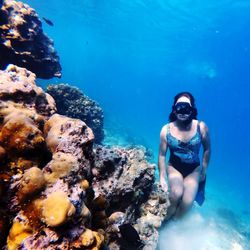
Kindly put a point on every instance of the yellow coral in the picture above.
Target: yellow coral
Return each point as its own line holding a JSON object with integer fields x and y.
{"x": 18, "y": 232}
{"x": 57, "y": 209}
{"x": 85, "y": 184}
{"x": 87, "y": 238}
{"x": 99, "y": 240}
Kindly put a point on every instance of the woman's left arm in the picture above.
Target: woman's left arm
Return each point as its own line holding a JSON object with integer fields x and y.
{"x": 206, "y": 148}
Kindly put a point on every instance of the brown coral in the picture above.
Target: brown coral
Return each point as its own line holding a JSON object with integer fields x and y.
{"x": 32, "y": 181}
{"x": 20, "y": 135}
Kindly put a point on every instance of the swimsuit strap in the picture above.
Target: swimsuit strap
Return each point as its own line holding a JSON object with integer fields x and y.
{"x": 168, "y": 129}
{"x": 198, "y": 128}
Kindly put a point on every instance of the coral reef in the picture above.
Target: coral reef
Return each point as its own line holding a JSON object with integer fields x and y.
{"x": 46, "y": 161}
{"x": 124, "y": 178}
{"x": 23, "y": 43}
{"x": 70, "y": 101}
{"x": 59, "y": 190}
{"x": 152, "y": 214}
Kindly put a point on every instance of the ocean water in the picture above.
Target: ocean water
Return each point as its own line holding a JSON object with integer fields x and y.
{"x": 134, "y": 56}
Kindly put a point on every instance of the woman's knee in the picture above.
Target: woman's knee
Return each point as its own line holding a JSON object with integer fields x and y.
{"x": 187, "y": 201}
{"x": 176, "y": 194}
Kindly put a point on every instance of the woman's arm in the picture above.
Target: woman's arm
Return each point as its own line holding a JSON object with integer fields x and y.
{"x": 206, "y": 148}
{"x": 162, "y": 158}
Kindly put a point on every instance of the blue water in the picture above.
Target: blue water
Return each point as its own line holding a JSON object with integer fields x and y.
{"x": 134, "y": 56}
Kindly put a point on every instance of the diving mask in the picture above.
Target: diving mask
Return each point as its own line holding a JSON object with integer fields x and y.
{"x": 183, "y": 108}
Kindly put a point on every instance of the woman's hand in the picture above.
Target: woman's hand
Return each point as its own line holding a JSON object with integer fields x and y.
{"x": 164, "y": 185}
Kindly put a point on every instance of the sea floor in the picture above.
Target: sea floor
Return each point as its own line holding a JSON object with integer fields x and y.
{"x": 220, "y": 224}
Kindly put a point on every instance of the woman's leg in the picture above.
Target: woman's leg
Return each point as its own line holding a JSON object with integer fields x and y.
{"x": 190, "y": 183}
{"x": 175, "y": 182}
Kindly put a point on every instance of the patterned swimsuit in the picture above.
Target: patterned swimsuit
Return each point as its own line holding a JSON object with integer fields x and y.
{"x": 184, "y": 156}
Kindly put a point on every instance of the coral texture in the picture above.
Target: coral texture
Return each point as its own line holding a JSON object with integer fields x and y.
{"x": 59, "y": 190}
{"x": 70, "y": 101}
{"x": 23, "y": 43}
{"x": 124, "y": 178}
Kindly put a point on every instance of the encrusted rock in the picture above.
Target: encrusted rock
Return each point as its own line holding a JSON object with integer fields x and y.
{"x": 47, "y": 159}
{"x": 23, "y": 43}
{"x": 122, "y": 176}
{"x": 56, "y": 190}
{"x": 70, "y": 101}
{"x": 152, "y": 214}
{"x": 19, "y": 93}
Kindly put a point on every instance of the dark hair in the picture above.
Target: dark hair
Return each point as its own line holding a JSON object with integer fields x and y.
{"x": 172, "y": 116}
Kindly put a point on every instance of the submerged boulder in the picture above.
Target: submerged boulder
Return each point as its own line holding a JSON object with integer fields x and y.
{"x": 23, "y": 43}
{"x": 59, "y": 190}
{"x": 70, "y": 101}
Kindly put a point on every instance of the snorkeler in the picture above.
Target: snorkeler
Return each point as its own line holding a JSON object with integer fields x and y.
{"x": 183, "y": 135}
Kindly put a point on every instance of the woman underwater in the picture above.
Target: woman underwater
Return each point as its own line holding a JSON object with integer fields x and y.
{"x": 183, "y": 136}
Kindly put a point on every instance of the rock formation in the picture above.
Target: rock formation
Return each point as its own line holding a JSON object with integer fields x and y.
{"x": 70, "y": 101}
{"x": 23, "y": 43}
{"x": 60, "y": 191}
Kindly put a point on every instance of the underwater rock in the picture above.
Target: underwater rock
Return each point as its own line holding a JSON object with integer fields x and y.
{"x": 23, "y": 43}
{"x": 59, "y": 190}
{"x": 46, "y": 167}
{"x": 125, "y": 179}
{"x": 71, "y": 102}
{"x": 122, "y": 175}
{"x": 19, "y": 94}
{"x": 152, "y": 214}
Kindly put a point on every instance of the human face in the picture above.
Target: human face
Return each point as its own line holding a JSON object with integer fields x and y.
{"x": 183, "y": 109}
